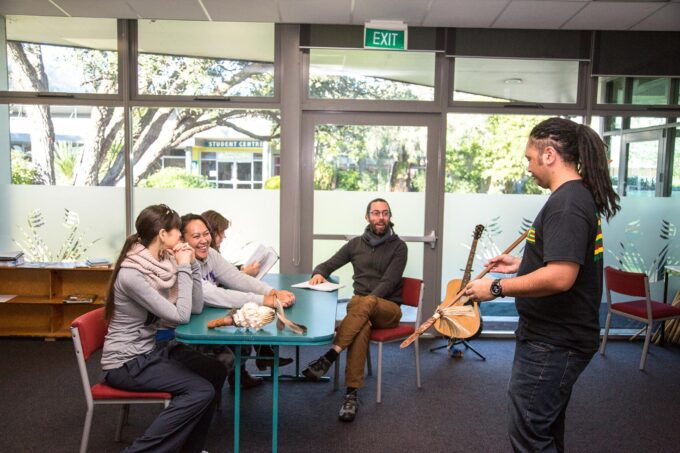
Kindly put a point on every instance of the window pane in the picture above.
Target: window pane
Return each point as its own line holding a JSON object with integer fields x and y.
{"x": 485, "y": 154}
{"x": 210, "y": 152}
{"x": 643, "y": 90}
{"x": 62, "y": 54}
{"x": 244, "y": 171}
{"x": 206, "y": 58}
{"x": 651, "y": 91}
{"x": 370, "y": 158}
{"x": 509, "y": 80}
{"x": 66, "y": 145}
{"x": 611, "y": 90}
{"x": 614, "y": 148}
{"x": 642, "y": 167}
{"x": 637, "y": 122}
{"x": 371, "y": 74}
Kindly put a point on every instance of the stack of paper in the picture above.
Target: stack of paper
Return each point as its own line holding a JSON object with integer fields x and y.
{"x": 13, "y": 258}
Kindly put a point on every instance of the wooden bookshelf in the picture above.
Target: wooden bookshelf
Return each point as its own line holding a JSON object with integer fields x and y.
{"x": 39, "y": 309}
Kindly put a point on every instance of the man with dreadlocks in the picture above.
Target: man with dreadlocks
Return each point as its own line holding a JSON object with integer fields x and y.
{"x": 558, "y": 287}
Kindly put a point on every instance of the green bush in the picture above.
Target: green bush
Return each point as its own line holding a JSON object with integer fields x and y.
{"x": 23, "y": 170}
{"x": 174, "y": 178}
{"x": 273, "y": 183}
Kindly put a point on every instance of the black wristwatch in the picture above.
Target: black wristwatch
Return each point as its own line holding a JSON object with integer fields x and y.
{"x": 496, "y": 288}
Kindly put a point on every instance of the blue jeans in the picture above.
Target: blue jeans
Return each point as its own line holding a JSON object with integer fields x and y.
{"x": 539, "y": 390}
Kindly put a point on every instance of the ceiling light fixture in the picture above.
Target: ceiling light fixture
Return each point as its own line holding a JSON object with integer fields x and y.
{"x": 513, "y": 81}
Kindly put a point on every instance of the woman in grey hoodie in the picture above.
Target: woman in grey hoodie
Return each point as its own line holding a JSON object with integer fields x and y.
{"x": 157, "y": 279}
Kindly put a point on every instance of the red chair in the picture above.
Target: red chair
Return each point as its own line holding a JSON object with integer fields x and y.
{"x": 412, "y": 295}
{"x": 644, "y": 310}
{"x": 88, "y": 333}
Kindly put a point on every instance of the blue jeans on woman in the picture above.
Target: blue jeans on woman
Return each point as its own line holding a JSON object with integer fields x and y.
{"x": 539, "y": 390}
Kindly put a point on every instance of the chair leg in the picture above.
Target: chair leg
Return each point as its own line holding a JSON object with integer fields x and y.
{"x": 86, "y": 430}
{"x": 369, "y": 366}
{"x": 645, "y": 349}
{"x": 380, "y": 356}
{"x": 417, "y": 351}
{"x": 336, "y": 379}
{"x": 122, "y": 420}
{"x": 606, "y": 332}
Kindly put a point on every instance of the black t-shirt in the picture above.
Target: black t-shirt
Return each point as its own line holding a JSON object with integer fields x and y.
{"x": 568, "y": 228}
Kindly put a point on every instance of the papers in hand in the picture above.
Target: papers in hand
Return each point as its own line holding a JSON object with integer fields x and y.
{"x": 266, "y": 256}
{"x": 326, "y": 286}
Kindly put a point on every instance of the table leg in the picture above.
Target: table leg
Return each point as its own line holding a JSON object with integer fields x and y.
{"x": 275, "y": 403}
{"x": 237, "y": 398}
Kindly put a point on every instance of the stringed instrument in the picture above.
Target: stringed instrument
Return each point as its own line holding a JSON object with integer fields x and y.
{"x": 470, "y": 325}
{"x": 452, "y": 311}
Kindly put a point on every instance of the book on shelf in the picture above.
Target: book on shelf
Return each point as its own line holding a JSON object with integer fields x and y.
{"x": 13, "y": 255}
{"x": 98, "y": 262}
{"x": 80, "y": 298}
{"x": 12, "y": 258}
{"x": 11, "y": 263}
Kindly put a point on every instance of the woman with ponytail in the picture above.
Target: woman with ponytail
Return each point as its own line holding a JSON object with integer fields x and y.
{"x": 558, "y": 287}
{"x": 157, "y": 279}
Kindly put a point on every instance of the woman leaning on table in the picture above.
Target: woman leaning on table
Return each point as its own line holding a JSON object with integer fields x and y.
{"x": 157, "y": 279}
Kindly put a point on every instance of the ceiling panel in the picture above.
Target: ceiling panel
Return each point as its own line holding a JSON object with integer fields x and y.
{"x": 611, "y": 15}
{"x": 243, "y": 10}
{"x": 98, "y": 8}
{"x": 463, "y": 13}
{"x": 167, "y": 9}
{"x": 29, "y": 7}
{"x": 315, "y": 11}
{"x": 412, "y": 12}
{"x": 666, "y": 18}
{"x": 528, "y": 14}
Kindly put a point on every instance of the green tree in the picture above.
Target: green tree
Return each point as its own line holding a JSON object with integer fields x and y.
{"x": 156, "y": 130}
{"x": 488, "y": 156}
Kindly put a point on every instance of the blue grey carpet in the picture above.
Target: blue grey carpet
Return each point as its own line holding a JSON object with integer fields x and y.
{"x": 461, "y": 407}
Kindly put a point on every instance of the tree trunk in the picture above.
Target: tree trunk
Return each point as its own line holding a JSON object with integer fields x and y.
{"x": 35, "y": 79}
{"x": 106, "y": 125}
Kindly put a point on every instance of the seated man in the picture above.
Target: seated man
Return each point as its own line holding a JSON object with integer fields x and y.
{"x": 378, "y": 257}
{"x": 224, "y": 286}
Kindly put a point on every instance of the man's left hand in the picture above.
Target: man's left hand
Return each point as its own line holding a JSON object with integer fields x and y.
{"x": 479, "y": 290}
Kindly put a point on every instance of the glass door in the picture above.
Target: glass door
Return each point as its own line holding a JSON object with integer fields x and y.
{"x": 354, "y": 158}
{"x": 641, "y": 169}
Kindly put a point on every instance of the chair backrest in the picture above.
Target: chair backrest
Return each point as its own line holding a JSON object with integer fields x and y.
{"x": 627, "y": 283}
{"x": 91, "y": 331}
{"x": 411, "y": 293}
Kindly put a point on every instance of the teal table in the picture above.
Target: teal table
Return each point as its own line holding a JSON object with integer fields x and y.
{"x": 314, "y": 309}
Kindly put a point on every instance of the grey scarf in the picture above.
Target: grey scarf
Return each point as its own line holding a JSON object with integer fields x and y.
{"x": 373, "y": 239}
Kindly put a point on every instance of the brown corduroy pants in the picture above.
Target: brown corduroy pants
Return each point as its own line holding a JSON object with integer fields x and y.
{"x": 354, "y": 332}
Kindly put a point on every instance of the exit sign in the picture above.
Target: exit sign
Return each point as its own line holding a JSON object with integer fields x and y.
{"x": 391, "y": 37}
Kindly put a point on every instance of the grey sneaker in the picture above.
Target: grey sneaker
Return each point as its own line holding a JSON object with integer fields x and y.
{"x": 349, "y": 407}
{"x": 317, "y": 368}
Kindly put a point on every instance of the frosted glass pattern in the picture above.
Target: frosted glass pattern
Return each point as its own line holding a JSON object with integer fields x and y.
{"x": 344, "y": 212}
{"x": 641, "y": 238}
{"x": 101, "y": 213}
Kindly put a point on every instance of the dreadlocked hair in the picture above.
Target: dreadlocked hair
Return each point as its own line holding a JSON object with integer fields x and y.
{"x": 579, "y": 145}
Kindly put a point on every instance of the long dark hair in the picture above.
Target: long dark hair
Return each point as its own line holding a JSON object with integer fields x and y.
{"x": 579, "y": 145}
{"x": 149, "y": 223}
{"x": 218, "y": 224}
